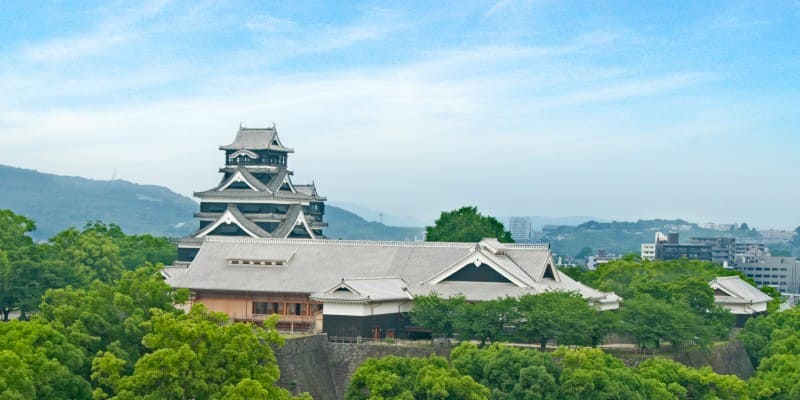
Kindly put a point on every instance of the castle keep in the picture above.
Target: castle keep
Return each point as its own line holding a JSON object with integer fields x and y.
{"x": 256, "y": 196}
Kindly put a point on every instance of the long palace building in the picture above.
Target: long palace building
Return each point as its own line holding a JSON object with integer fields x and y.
{"x": 256, "y": 197}
{"x": 259, "y": 251}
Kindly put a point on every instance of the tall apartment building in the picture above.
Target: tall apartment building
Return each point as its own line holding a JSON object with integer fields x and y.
{"x": 669, "y": 248}
{"x": 520, "y": 228}
{"x": 723, "y": 249}
{"x": 782, "y": 273}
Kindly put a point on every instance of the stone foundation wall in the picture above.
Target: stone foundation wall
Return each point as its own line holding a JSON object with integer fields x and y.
{"x": 312, "y": 364}
{"x": 323, "y": 369}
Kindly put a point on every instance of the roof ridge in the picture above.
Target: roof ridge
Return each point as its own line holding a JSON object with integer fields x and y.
{"x": 364, "y": 278}
{"x": 387, "y": 243}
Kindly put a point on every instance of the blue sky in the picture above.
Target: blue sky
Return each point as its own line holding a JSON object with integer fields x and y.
{"x": 618, "y": 110}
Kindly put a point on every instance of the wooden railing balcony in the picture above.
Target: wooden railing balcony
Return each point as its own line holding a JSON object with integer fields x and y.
{"x": 308, "y": 319}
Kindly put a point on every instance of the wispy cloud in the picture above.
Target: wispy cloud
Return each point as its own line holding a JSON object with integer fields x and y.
{"x": 286, "y": 38}
{"x": 167, "y": 83}
{"x": 629, "y": 88}
{"x": 736, "y": 22}
{"x": 111, "y": 30}
{"x": 65, "y": 49}
{"x": 270, "y": 24}
{"x": 503, "y": 4}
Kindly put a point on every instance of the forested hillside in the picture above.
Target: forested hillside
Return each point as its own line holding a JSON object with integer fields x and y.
{"x": 343, "y": 224}
{"x": 57, "y": 202}
{"x": 627, "y": 237}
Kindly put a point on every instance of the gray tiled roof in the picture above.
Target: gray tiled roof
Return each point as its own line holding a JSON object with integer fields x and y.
{"x": 270, "y": 190}
{"x": 243, "y": 220}
{"x": 737, "y": 287}
{"x": 249, "y": 194}
{"x": 308, "y": 190}
{"x": 730, "y": 300}
{"x": 256, "y": 139}
{"x": 277, "y": 180}
{"x": 289, "y": 223}
{"x": 252, "y": 180}
{"x": 317, "y": 265}
{"x": 365, "y": 289}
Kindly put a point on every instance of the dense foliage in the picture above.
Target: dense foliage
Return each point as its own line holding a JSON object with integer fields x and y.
{"x": 773, "y": 343}
{"x": 663, "y": 302}
{"x": 103, "y": 324}
{"x": 412, "y": 378}
{"x": 466, "y": 225}
{"x": 70, "y": 258}
{"x": 506, "y": 373}
{"x": 677, "y": 281}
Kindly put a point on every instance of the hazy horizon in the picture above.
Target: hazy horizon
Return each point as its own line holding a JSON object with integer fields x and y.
{"x": 620, "y": 111}
{"x": 372, "y": 213}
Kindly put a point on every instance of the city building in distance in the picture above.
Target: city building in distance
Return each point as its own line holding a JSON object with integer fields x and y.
{"x": 782, "y": 273}
{"x": 520, "y": 228}
{"x": 672, "y": 249}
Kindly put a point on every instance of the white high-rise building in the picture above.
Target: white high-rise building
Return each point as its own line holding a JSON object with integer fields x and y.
{"x": 520, "y": 228}
{"x": 648, "y": 251}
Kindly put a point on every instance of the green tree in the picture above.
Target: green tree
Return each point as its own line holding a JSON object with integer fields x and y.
{"x": 14, "y": 230}
{"x": 602, "y": 324}
{"x": 103, "y": 315}
{"x": 55, "y": 363}
{"x": 769, "y": 335}
{"x": 652, "y": 321}
{"x": 509, "y": 373}
{"x": 90, "y": 252}
{"x": 486, "y": 320}
{"x": 16, "y": 379}
{"x": 466, "y": 225}
{"x": 250, "y": 389}
{"x": 593, "y": 374}
{"x": 406, "y": 378}
{"x": 196, "y": 355}
{"x": 23, "y": 278}
{"x": 437, "y": 314}
{"x": 690, "y": 383}
{"x": 777, "y": 378}
{"x": 136, "y": 250}
{"x": 775, "y": 303}
{"x": 565, "y": 316}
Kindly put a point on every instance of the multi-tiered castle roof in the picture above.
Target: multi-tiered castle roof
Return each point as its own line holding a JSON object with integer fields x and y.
{"x": 256, "y": 196}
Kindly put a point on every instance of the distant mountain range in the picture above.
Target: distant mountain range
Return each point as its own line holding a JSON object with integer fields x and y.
{"x": 538, "y": 222}
{"x": 379, "y": 216}
{"x": 57, "y": 202}
{"x": 620, "y": 237}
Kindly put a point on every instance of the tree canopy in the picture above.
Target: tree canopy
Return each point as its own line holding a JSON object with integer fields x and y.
{"x": 106, "y": 326}
{"x": 407, "y": 378}
{"x": 564, "y": 317}
{"x": 505, "y": 373}
{"x": 773, "y": 343}
{"x": 466, "y": 225}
